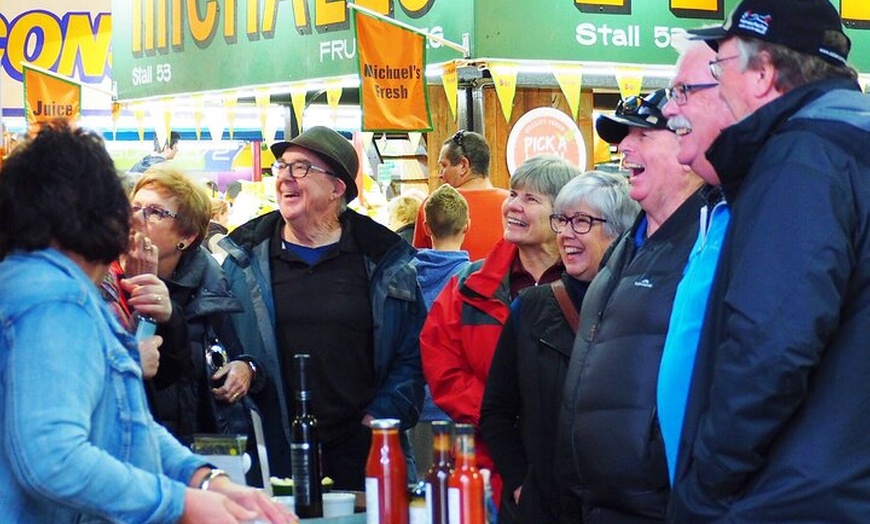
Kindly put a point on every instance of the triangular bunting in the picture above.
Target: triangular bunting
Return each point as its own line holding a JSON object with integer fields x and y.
{"x": 504, "y": 76}
{"x": 450, "y": 81}
{"x": 570, "y": 78}
{"x": 297, "y": 98}
{"x": 629, "y": 80}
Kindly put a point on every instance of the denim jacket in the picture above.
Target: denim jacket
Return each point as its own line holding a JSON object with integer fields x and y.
{"x": 78, "y": 441}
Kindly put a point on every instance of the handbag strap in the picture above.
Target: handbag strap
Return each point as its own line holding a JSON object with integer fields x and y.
{"x": 568, "y": 309}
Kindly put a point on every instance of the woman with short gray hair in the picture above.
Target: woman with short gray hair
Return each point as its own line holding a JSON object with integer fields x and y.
{"x": 465, "y": 321}
{"x": 528, "y": 369}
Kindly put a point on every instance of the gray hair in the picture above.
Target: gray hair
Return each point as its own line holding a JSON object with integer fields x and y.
{"x": 606, "y": 194}
{"x": 543, "y": 174}
{"x": 795, "y": 69}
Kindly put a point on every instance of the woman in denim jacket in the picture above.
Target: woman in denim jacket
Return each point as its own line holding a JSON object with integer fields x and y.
{"x": 78, "y": 442}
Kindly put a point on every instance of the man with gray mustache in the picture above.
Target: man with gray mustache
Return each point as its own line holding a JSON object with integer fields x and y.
{"x": 697, "y": 114}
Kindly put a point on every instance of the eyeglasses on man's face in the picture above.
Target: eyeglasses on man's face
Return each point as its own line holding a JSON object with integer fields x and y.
{"x": 680, "y": 92}
{"x": 296, "y": 169}
{"x": 581, "y": 223}
{"x": 716, "y": 66}
{"x": 153, "y": 214}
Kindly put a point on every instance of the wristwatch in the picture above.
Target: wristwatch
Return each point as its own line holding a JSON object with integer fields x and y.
{"x": 213, "y": 474}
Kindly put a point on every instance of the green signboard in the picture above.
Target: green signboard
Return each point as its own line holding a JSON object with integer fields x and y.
{"x": 167, "y": 47}
{"x": 164, "y": 47}
{"x": 623, "y": 31}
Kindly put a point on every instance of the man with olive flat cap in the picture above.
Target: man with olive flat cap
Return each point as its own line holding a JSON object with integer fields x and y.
{"x": 316, "y": 277}
{"x": 776, "y": 427}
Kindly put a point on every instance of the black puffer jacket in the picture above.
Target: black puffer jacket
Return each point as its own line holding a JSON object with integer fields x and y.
{"x": 610, "y": 444}
{"x": 202, "y": 304}
{"x": 525, "y": 381}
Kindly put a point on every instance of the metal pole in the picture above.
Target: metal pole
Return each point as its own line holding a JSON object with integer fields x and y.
{"x": 452, "y": 45}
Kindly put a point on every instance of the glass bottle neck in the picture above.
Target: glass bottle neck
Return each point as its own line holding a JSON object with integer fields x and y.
{"x": 303, "y": 407}
{"x": 385, "y": 434}
{"x": 465, "y": 451}
{"x": 441, "y": 448}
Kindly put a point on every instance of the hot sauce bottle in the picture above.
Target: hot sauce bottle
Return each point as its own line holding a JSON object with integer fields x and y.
{"x": 386, "y": 476}
{"x": 465, "y": 490}
{"x": 438, "y": 474}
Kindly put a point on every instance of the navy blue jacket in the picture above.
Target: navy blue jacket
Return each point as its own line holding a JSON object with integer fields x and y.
{"x": 777, "y": 427}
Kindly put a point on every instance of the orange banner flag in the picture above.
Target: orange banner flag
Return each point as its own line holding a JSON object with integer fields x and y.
{"x": 47, "y": 97}
{"x": 392, "y": 65}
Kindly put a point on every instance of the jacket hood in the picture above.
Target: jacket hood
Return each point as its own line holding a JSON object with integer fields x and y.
{"x": 434, "y": 265}
{"x": 733, "y": 152}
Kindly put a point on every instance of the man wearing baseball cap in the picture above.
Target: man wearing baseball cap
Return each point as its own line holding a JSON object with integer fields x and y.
{"x": 609, "y": 453}
{"x": 318, "y": 278}
{"x": 776, "y": 427}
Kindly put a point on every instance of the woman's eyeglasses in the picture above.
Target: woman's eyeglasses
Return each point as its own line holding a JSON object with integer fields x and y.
{"x": 581, "y": 223}
{"x": 153, "y": 214}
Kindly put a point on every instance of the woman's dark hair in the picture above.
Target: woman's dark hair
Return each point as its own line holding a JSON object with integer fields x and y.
{"x": 60, "y": 189}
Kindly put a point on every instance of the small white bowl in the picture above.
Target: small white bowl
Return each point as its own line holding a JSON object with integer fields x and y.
{"x": 338, "y": 504}
{"x": 287, "y": 501}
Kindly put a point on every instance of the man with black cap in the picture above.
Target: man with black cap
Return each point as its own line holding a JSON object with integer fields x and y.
{"x": 320, "y": 279}
{"x": 611, "y": 452}
{"x": 776, "y": 427}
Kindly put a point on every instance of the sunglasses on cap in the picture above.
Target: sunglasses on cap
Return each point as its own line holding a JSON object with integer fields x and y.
{"x": 457, "y": 139}
{"x": 632, "y": 105}
{"x": 643, "y": 111}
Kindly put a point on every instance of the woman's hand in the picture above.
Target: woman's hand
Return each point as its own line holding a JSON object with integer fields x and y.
{"x": 149, "y": 296}
{"x": 149, "y": 355}
{"x": 255, "y": 500}
{"x": 238, "y": 380}
{"x": 208, "y": 506}
{"x": 141, "y": 256}
{"x": 225, "y": 501}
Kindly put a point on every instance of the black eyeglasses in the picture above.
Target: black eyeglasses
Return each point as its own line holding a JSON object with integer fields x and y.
{"x": 680, "y": 92}
{"x": 581, "y": 223}
{"x": 457, "y": 139}
{"x": 153, "y": 214}
{"x": 716, "y": 67}
{"x": 297, "y": 169}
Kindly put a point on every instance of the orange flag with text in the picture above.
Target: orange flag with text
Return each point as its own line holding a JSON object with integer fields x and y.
{"x": 392, "y": 66}
{"x": 47, "y": 97}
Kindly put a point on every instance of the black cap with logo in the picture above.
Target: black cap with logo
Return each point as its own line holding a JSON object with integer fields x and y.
{"x": 800, "y": 25}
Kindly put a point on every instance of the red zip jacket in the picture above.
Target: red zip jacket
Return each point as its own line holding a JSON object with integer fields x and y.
{"x": 459, "y": 338}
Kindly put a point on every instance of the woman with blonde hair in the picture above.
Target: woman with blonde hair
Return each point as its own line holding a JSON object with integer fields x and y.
{"x": 205, "y": 390}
